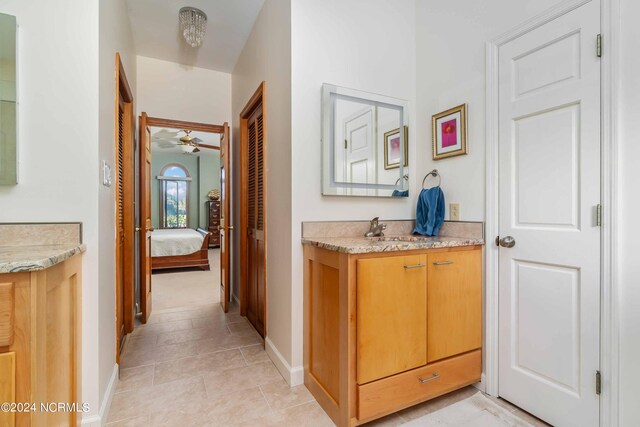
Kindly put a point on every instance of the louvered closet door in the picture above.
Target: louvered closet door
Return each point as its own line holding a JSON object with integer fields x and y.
{"x": 255, "y": 208}
{"x": 120, "y": 226}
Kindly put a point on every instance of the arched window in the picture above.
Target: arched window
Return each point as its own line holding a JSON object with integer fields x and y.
{"x": 174, "y": 196}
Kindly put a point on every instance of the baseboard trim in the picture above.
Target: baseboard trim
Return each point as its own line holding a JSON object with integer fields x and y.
{"x": 293, "y": 376}
{"x": 482, "y": 384}
{"x": 101, "y": 418}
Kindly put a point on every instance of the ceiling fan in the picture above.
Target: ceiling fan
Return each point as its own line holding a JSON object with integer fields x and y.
{"x": 166, "y": 139}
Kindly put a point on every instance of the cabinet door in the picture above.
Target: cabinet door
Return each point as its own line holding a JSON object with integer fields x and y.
{"x": 454, "y": 308}
{"x": 391, "y": 315}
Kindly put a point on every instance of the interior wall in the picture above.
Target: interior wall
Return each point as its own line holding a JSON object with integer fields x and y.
{"x": 450, "y": 50}
{"x": 365, "y": 45}
{"x": 115, "y": 36}
{"x": 170, "y": 90}
{"x": 628, "y": 212}
{"x": 57, "y": 148}
{"x": 209, "y": 167}
{"x": 192, "y": 164}
{"x": 267, "y": 56}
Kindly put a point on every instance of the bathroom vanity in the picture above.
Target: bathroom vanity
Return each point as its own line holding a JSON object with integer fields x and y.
{"x": 391, "y": 321}
{"x": 40, "y": 323}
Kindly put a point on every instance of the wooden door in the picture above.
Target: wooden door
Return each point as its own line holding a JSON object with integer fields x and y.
{"x": 145, "y": 218}
{"x": 549, "y": 178}
{"x": 225, "y": 218}
{"x": 454, "y": 303}
{"x": 391, "y": 315}
{"x": 120, "y": 228}
{"x": 255, "y": 221}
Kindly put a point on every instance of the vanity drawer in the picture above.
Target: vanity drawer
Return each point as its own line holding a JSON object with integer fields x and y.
{"x": 400, "y": 391}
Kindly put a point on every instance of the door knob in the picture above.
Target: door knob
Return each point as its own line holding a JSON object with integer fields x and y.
{"x": 138, "y": 229}
{"x": 231, "y": 228}
{"x": 506, "y": 242}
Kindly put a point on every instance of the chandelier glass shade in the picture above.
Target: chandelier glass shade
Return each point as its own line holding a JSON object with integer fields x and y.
{"x": 193, "y": 24}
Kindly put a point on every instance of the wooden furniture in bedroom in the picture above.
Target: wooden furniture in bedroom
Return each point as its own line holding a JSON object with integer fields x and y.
{"x": 213, "y": 223}
{"x": 198, "y": 259}
{"x": 40, "y": 351}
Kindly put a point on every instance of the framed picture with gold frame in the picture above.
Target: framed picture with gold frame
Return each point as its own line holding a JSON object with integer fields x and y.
{"x": 449, "y": 133}
{"x": 392, "y": 148}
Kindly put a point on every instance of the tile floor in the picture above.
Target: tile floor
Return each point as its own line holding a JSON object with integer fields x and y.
{"x": 193, "y": 365}
{"x": 196, "y": 366}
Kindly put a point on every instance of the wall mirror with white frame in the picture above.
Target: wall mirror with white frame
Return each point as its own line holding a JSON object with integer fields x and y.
{"x": 365, "y": 142}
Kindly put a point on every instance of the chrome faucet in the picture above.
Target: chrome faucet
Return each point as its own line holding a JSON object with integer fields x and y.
{"x": 375, "y": 228}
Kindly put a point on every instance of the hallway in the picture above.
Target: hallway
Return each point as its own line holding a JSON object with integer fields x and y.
{"x": 198, "y": 366}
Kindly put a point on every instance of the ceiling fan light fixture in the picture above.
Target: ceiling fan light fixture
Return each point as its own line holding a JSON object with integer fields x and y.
{"x": 193, "y": 24}
{"x": 187, "y": 148}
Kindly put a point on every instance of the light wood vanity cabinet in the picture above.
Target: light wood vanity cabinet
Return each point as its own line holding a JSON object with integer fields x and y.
{"x": 40, "y": 355}
{"x": 391, "y": 316}
{"x": 385, "y": 331}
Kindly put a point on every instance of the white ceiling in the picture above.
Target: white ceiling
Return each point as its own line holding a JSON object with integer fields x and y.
{"x": 156, "y": 32}
{"x": 207, "y": 138}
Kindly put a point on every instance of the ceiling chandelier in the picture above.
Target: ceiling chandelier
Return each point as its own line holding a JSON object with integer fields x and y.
{"x": 193, "y": 24}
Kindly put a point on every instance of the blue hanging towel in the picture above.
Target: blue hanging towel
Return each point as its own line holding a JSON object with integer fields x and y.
{"x": 429, "y": 212}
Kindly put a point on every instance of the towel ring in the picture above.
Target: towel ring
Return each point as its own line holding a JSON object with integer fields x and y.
{"x": 435, "y": 174}
{"x": 404, "y": 177}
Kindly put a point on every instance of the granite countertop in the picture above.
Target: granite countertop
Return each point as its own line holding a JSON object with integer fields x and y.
{"x": 15, "y": 259}
{"x": 364, "y": 245}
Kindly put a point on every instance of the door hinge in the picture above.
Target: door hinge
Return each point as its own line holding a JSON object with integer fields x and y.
{"x": 345, "y": 144}
{"x": 598, "y": 382}
{"x": 599, "y": 45}
{"x": 599, "y": 215}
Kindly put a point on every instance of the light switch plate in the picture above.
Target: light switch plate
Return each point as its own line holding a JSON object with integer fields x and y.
{"x": 454, "y": 211}
{"x": 106, "y": 174}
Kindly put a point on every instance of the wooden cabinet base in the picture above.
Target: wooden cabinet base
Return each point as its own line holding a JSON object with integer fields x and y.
{"x": 400, "y": 391}
{"x": 355, "y": 320}
{"x": 42, "y": 362}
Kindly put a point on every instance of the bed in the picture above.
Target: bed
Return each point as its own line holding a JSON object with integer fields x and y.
{"x": 179, "y": 248}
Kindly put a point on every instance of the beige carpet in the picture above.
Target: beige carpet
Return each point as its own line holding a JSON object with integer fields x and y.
{"x": 474, "y": 411}
{"x": 188, "y": 287}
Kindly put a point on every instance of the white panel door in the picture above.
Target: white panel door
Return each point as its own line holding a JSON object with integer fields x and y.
{"x": 360, "y": 150}
{"x": 549, "y": 145}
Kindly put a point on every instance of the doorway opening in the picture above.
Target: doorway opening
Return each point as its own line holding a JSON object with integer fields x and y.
{"x": 182, "y": 208}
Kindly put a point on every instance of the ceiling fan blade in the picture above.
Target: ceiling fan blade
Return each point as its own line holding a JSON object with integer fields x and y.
{"x": 165, "y": 133}
{"x": 163, "y": 143}
{"x": 196, "y": 150}
{"x": 196, "y": 140}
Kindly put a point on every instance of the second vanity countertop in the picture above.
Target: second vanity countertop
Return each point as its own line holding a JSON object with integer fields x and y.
{"x": 364, "y": 245}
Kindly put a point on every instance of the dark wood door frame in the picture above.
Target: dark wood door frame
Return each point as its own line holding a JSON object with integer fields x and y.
{"x": 258, "y": 98}
{"x": 125, "y": 265}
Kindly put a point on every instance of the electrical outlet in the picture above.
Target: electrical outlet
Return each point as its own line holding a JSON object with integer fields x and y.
{"x": 454, "y": 211}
